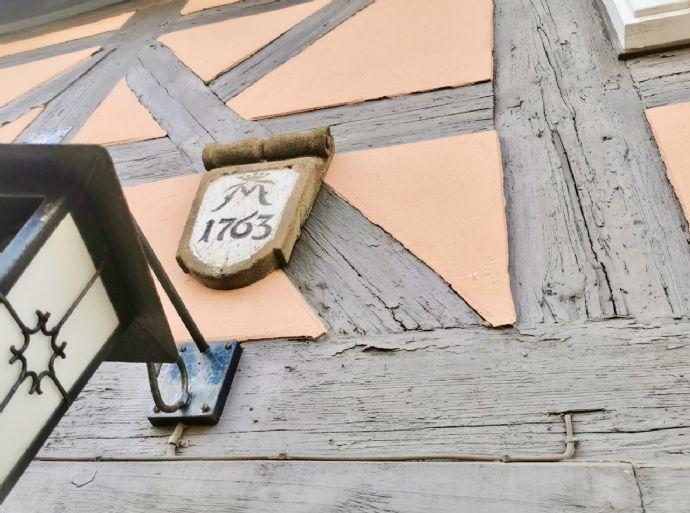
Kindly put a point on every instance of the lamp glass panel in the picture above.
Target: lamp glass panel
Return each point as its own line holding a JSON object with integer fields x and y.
{"x": 51, "y": 283}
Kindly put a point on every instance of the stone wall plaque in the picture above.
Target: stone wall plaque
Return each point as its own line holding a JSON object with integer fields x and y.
{"x": 250, "y": 206}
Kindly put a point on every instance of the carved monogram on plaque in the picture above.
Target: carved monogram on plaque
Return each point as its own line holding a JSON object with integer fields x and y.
{"x": 239, "y": 215}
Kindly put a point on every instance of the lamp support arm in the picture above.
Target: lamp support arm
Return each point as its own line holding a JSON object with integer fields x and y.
{"x": 172, "y": 294}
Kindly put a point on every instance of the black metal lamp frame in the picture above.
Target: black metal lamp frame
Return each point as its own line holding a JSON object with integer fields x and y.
{"x": 58, "y": 180}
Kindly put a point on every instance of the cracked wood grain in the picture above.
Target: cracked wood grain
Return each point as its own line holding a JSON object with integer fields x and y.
{"x": 595, "y": 228}
{"x": 663, "y": 489}
{"x": 640, "y": 493}
{"x": 405, "y": 119}
{"x": 471, "y": 390}
{"x": 361, "y": 280}
{"x": 144, "y": 161}
{"x": 285, "y": 47}
{"x": 662, "y": 79}
{"x": 44, "y": 93}
{"x": 333, "y": 487}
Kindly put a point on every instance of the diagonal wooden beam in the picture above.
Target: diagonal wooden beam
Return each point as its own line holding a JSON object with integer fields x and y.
{"x": 285, "y": 47}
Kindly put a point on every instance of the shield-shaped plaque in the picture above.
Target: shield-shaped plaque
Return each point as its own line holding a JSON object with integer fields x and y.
{"x": 250, "y": 206}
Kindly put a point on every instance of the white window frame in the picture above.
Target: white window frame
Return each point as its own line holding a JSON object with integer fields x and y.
{"x": 641, "y": 25}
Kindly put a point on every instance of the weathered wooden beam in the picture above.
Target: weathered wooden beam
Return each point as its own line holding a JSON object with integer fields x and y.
{"x": 372, "y": 124}
{"x": 472, "y": 390}
{"x": 144, "y": 161}
{"x": 285, "y": 47}
{"x": 595, "y": 228}
{"x": 42, "y": 94}
{"x": 361, "y": 280}
{"x": 300, "y": 487}
{"x": 662, "y": 79}
{"x": 184, "y": 131}
{"x": 102, "y": 39}
{"x": 57, "y": 49}
{"x": 181, "y": 103}
{"x": 73, "y": 107}
{"x": 228, "y": 11}
{"x": 664, "y": 489}
{"x": 399, "y": 120}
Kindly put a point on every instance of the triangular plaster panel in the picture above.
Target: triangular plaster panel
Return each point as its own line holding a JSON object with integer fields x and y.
{"x": 209, "y": 50}
{"x": 270, "y": 308}
{"x": 391, "y": 48}
{"x": 18, "y": 80}
{"x": 199, "y": 5}
{"x": 671, "y": 127}
{"x": 11, "y": 130}
{"x": 120, "y": 118}
{"x": 68, "y": 34}
{"x": 443, "y": 200}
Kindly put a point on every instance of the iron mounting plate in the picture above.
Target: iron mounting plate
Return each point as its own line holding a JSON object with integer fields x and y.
{"x": 210, "y": 378}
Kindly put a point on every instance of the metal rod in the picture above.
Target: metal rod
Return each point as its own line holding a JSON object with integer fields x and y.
{"x": 569, "y": 451}
{"x": 182, "y": 400}
{"x": 172, "y": 294}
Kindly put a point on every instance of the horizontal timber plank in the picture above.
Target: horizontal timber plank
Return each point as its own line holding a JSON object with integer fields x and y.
{"x": 472, "y": 390}
{"x": 663, "y": 78}
{"x": 404, "y": 119}
{"x": 144, "y": 161}
{"x": 334, "y": 487}
{"x": 664, "y": 489}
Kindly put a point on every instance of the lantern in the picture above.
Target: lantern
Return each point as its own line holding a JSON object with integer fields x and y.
{"x": 75, "y": 290}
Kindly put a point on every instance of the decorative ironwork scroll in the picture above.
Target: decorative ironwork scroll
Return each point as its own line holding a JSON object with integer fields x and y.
{"x": 18, "y": 355}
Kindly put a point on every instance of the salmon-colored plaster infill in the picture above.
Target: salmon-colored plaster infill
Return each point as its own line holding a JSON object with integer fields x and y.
{"x": 11, "y": 130}
{"x": 212, "y": 49}
{"x": 270, "y": 308}
{"x": 671, "y": 128}
{"x": 443, "y": 200}
{"x": 391, "y": 48}
{"x": 200, "y": 5}
{"x": 120, "y": 118}
{"x": 18, "y": 80}
{"x": 68, "y": 34}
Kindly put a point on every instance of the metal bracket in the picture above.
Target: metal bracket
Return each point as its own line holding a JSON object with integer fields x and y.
{"x": 201, "y": 377}
{"x": 210, "y": 378}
